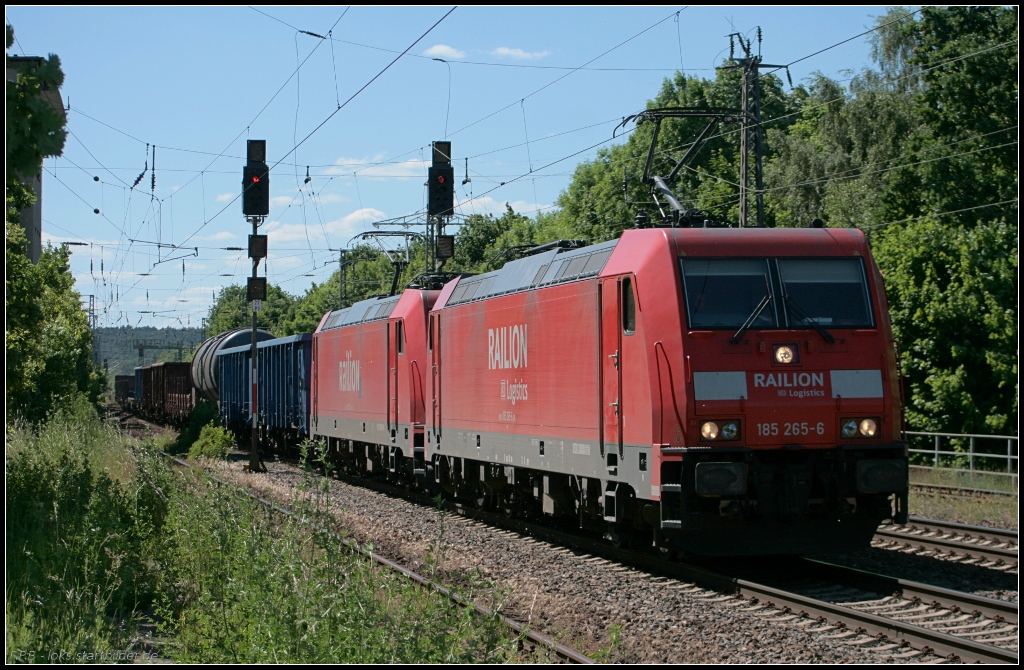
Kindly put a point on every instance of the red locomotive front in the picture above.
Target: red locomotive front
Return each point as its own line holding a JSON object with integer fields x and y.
{"x": 369, "y": 367}
{"x": 718, "y": 390}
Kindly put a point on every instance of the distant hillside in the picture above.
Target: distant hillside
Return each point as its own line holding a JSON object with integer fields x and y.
{"x": 119, "y": 347}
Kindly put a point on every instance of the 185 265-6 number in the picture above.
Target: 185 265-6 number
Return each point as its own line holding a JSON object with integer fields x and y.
{"x": 791, "y": 428}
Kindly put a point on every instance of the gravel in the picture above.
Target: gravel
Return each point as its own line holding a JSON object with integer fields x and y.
{"x": 603, "y": 609}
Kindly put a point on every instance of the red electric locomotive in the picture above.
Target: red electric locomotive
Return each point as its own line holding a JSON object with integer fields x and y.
{"x": 369, "y": 374}
{"x": 716, "y": 390}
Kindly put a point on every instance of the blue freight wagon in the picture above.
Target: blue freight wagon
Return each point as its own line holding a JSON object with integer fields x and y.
{"x": 283, "y": 398}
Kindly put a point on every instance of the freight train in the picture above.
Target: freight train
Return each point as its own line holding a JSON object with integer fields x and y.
{"x": 714, "y": 391}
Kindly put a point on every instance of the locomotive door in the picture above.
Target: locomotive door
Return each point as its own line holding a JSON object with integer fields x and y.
{"x": 313, "y": 389}
{"x": 610, "y": 306}
{"x": 394, "y": 349}
{"x": 434, "y": 344}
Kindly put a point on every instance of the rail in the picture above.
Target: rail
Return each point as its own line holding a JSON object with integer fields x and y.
{"x": 567, "y": 653}
{"x": 973, "y": 456}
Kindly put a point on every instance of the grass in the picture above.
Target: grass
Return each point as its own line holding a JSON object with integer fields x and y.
{"x": 994, "y": 481}
{"x": 84, "y": 505}
{"x": 100, "y": 529}
{"x": 247, "y": 584}
{"x": 983, "y": 510}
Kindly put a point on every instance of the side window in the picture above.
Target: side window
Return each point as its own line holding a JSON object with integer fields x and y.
{"x": 400, "y": 335}
{"x": 628, "y": 307}
{"x": 430, "y": 335}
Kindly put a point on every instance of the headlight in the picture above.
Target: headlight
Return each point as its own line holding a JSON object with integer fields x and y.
{"x": 859, "y": 428}
{"x": 709, "y": 430}
{"x": 785, "y": 354}
{"x": 720, "y": 430}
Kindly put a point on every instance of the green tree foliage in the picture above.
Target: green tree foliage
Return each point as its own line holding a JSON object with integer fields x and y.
{"x": 952, "y": 269}
{"x": 231, "y": 310}
{"x": 35, "y": 124}
{"x": 952, "y": 291}
{"x": 47, "y": 338}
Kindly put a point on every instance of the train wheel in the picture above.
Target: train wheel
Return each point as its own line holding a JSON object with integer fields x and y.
{"x": 618, "y": 538}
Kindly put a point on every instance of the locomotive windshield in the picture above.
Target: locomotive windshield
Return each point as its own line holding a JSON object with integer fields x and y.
{"x": 776, "y": 293}
{"x": 724, "y": 293}
{"x": 825, "y": 291}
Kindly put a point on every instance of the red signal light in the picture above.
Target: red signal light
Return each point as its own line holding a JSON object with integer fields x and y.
{"x": 255, "y": 179}
{"x": 440, "y": 180}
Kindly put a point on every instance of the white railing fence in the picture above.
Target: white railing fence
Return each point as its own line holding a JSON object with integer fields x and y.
{"x": 983, "y": 454}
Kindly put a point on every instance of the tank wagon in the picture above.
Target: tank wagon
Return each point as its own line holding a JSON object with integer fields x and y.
{"x": 204, "y": 370}
{"x": 283, "y": 398}
{"x": 716, "y": 390}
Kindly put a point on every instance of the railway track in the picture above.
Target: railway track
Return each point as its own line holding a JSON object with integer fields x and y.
{"x": 559, "y": 650}
{"x": 901, "y": 618}
{"x": 988, "y": 547}
{"x": 942, "y": 489}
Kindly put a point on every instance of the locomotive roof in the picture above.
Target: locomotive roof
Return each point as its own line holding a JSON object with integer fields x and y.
{"x": 557, "y": 266}
{"x": 371, "y": 309}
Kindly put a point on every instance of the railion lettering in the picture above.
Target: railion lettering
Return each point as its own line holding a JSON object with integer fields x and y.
{"x": 789, "y": 379}
{"x": 507, "y": 347}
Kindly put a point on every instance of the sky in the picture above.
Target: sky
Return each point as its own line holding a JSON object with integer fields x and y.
{"x": 525, "y": 94}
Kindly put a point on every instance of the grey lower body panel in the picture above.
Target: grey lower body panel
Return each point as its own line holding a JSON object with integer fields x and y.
{"x": 577, "y": 457}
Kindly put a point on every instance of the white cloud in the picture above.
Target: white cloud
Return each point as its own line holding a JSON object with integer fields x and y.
{"x": 224, "y": 197}
{"x": 222, "y": 235}
{"x": 378, "y": 168}
{"x": 444, "y": 51}
{"x": 296, "y": 199}
{"x": 339, "y": 231}
{"x": 488, "y": 205}
{"x": 519, "y": 54}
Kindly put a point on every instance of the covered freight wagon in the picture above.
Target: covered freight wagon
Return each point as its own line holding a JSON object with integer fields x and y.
{"x": 283, "y": 397}
{"x": 164, "y": 392}
{"x": 124, "y": 389}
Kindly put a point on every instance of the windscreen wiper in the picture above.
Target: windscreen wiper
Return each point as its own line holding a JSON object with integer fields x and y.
{"x": 756, "y": 313}
{"x": 792, "y": 307}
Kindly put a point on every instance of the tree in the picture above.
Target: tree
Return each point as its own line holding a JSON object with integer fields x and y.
{"x": 952, "y": 292}
{"x": 35, "y": 127}
{"x": 47, "y": 337}
{"x": 48, "y": 344}
{"x": 231, "y": 310}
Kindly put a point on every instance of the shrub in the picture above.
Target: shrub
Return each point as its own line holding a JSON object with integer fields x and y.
{"x": 213, "y": 442}
{"x": 204, "y": 413}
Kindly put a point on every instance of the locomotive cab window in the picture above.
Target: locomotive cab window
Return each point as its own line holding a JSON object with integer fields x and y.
{"x": 399, "y": 337}
{"x": 727, "y": 293}
{"x": 628, "y": 307}
{"x": 829, "y": 292}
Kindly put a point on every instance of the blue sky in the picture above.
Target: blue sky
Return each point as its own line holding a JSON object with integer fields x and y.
{"x": 197, "y": 82}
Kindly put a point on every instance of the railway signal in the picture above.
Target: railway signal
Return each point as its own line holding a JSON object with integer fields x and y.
{"x": 256, "y": 180}
{"x": 441, "y": 190}
{"x": 255, "y": 207}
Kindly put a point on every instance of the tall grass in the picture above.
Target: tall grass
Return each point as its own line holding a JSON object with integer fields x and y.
{"x": 247, "y": 584}
{"x": 100, "y": 530}
{"x": 84, "y": 508}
